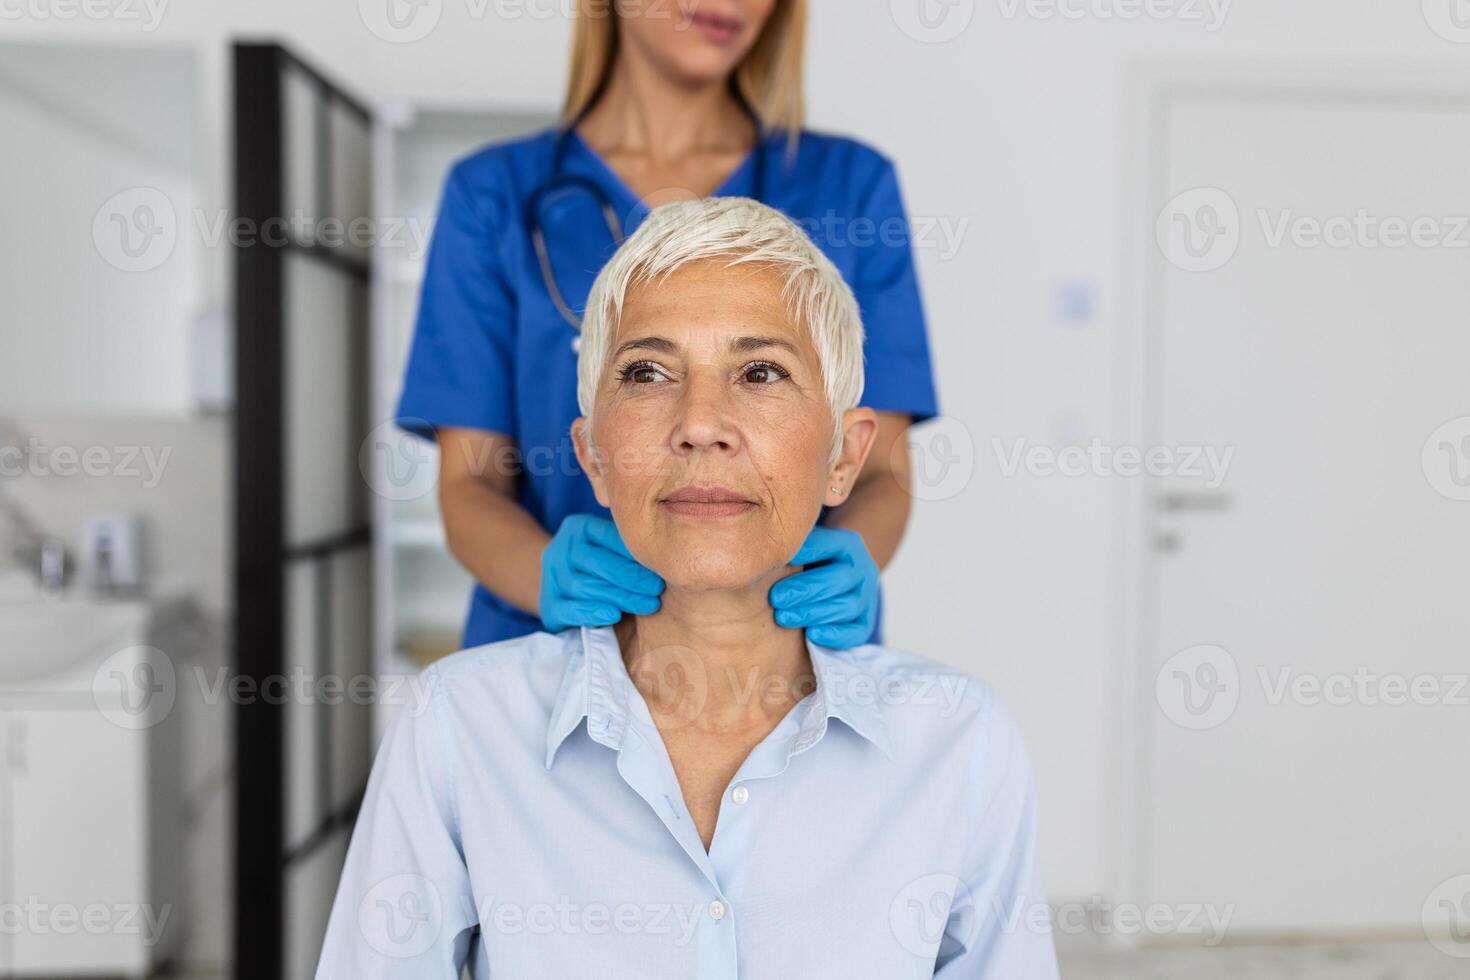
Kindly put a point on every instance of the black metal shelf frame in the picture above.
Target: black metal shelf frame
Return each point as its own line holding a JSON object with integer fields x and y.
{"x": 263, "y": 555}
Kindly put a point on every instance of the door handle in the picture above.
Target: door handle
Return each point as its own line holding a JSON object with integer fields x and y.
{"x": 1167, "y": 543}
{"x": 15, "y": 746}
{"x": 1197, "y": 501}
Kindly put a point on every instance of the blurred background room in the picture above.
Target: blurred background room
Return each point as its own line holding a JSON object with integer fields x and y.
{"x": 1197, "y": 279}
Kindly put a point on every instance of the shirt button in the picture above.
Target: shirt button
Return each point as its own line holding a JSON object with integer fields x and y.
{"x": 740, "y": 794}
{"x": 717, "y": 910}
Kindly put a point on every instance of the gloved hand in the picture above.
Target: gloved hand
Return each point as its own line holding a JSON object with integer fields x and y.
{"x": 589, "y": 578}
{"x": 837, "y": 601}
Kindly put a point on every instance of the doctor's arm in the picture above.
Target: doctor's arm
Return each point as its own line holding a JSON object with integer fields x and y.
{"x": 489, "y": 532}
{"x": 463, "y": 342}
{"x": 459, "y": 387}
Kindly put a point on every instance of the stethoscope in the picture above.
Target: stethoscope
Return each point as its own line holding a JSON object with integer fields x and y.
{"x": 562, "y": 183}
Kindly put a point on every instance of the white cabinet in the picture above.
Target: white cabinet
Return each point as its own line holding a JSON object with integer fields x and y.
{"x": 73, "y": 841}
{"x": 88, "y": 798}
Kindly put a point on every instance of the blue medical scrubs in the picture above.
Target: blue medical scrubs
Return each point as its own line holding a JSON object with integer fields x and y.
{"x": 491, "y": 352}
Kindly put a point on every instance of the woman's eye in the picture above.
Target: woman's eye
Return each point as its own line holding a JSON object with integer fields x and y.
{"x": 763, "y": 374}
{"x": 641, "y": 373}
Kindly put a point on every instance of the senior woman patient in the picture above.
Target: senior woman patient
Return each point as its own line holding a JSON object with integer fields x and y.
{"x": 700, "y": 793}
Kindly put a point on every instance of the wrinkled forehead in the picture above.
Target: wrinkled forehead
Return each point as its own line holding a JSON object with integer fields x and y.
{"x": 710, "y": 303}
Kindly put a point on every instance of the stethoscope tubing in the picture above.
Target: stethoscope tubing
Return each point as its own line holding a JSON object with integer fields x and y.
{"x": 557, "y": 181}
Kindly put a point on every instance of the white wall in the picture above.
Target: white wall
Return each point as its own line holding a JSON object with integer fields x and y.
{"x": 1014, "y": 126}
{"x": 122, "y": 335}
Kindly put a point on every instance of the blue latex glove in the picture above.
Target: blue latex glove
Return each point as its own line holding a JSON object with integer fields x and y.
{"x": 589, "y": 578}
{"x": 837, "y": 600}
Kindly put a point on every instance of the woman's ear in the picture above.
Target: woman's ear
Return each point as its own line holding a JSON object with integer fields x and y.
{"x": 859, "y": 429}
{"x": 590, "y": 458}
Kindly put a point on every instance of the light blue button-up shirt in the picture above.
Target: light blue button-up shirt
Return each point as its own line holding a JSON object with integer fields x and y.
{"x": 526, "y": 822}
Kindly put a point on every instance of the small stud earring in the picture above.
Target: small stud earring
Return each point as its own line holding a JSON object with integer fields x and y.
{"x": 836, "y": 489}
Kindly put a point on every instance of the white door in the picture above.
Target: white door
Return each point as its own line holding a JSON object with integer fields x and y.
{"x": 1308, "y": 619}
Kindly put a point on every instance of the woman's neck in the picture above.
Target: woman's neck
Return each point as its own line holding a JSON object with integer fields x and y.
{"x": 644, "y": 112}
{"x": 717, "y": 659}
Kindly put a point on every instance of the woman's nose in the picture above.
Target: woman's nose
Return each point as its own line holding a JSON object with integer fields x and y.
{"x": 705, "y": 421}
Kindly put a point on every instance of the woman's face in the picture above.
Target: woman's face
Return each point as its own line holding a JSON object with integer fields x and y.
{"x": 699, "y": 41}
{"x": 712, "y": 429}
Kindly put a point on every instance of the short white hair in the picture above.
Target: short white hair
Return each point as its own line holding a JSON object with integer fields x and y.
{"x": 740, "y": 230}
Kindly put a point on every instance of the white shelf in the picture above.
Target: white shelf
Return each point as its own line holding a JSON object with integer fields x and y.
{"x": 421, "y": 590}
{"x": 418, "y": 534}
{"x": 405, "y": 272}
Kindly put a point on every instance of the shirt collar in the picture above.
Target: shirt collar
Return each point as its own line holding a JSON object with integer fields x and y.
{"x": 596, "y": 686}
{"x": 847, "y": 692}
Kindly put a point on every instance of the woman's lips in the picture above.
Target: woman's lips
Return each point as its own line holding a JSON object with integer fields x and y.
{"x": 708, "y": 502}
{"x": 715, "y": 28}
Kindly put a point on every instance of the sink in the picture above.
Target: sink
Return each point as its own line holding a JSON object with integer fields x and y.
{"x": 50, "y": 640}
